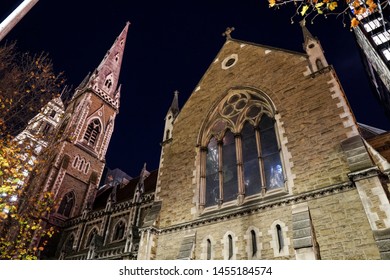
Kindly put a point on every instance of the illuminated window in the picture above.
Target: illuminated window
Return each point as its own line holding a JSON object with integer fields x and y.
{"x": 242, "y": 158}
{"x": 372, "y": 25}
{"x": 381, "y": 38}
{"x": 66, "y": 205}
{"x": 386, "y": 53}
{"x": 92, "y": 133}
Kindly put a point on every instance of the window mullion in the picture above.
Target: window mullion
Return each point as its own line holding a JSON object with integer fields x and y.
{"x": 261, "y": 165}
{"x": 240, "y": 169}
{"x": 220, "y": 171}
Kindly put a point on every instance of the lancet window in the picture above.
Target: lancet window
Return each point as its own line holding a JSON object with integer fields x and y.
{"x": 92, "y": 133}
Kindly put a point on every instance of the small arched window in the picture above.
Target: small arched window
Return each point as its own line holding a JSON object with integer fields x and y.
{"x": 119, "y": 231}
{"x": 92, "y": 133}
{"x": 92, "y": 233}
{"x": 279, "y": 234}
{"x": 167, "y": 134}
{"x": 319, "y": 64}
{"x": 254, "y": 243}
{"x": 230, "y": 247}
{"x": 208, "y": 244}
{"x": 81, "y": 164}
{"x": 76, "y": 161}
{"x": 86, "y": 168}
{"x": 66, "y": 204}
{"x": 108, "y": 83}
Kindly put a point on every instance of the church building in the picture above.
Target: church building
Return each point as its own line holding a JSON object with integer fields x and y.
{"x": 264, "y": 161}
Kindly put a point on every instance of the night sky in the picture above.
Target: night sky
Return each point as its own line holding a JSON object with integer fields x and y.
{"x": 170, "y": 45}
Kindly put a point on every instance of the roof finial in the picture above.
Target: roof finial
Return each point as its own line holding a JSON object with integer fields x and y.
{"x": 227, "y": 33}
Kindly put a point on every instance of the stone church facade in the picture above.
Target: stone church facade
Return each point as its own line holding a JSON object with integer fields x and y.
{"x": 264, "y": 161}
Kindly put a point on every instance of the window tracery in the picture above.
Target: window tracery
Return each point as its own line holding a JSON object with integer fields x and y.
{"x": 92, "y": 133}
{"x": 241, "y": 155}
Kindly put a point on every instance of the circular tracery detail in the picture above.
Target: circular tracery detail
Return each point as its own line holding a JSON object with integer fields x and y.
{"x": 236, "y": 108}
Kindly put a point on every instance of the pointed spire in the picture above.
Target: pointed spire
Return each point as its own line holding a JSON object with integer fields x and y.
{"x": 84, "y": 82}
{"x": 140, "y": 188}
{"x": 307, "y": 36}
{"x": 104, "y": 80}
{"x": 175, "y": 104}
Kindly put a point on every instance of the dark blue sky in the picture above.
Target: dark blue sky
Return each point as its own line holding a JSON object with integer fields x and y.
{"x": 170, "y": 45}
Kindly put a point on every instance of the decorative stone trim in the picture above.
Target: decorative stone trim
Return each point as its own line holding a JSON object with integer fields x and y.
{"x": 272, "y": 204}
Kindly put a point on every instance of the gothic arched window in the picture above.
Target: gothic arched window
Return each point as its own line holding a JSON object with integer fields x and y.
{"x": 92, "y": 133}
{"x": 279, "y": 234}
{"x": 92, "y": 233}
{"x": 319, "y": 64}
{"x": 66, "y": 204}
{"x": 119, "y": 231}
{"x": 253, "y": 243}
{"x": 208, "y": 257}
{"x": 230, "y": 247}
{"x": 240, "y": 154}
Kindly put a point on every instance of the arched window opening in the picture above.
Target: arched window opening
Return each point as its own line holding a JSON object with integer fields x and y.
{"x": 230, "y": 247}
{"x": 212, "y": 174}
{"x": 119, "y": 231}
{"x": 240, "y": 153}
{"x": 280, "y": 237}
{"x": 270, "y": 154}
{"x": 208, "y": 249}
{"x": 92, "y": 133}
{"x": 254, "y": 243}
{"x": 90, "y": 237}
{"x": 66, "y": 204}
{"x": 229, "y": 163}
{"x": 81, "y": 164}
{"x": 250, "y": 158}
{"x": 167, "y": 134}
{"x": 319, "y": 64}
{"x": 86, "y": 168}
{"x": 75, "y": 161}
{"x": 108, "y": 83}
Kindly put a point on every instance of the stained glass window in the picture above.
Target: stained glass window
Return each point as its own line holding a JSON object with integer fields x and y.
{"x": 212, "y": 176}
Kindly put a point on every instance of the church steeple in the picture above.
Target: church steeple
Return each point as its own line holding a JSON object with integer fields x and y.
{"x": 104, "y": 80}
{"x": 313, "y": 48}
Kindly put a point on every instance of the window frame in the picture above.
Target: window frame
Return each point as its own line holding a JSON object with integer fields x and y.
{"x": 217, "y": 119}
{"x": 92, "y": 132}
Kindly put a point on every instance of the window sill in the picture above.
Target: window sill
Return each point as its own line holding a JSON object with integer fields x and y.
{"x": 247, "y": 203}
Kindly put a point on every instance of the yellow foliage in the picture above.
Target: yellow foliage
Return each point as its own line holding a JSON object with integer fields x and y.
{"x": 332, "y": 6}
{"x": 354, "y": 22}
{"x": 272, "y": 3}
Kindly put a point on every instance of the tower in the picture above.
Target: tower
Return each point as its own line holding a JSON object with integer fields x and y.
{"x": 313, "y": 48}
{"x": 76, "y": 157}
